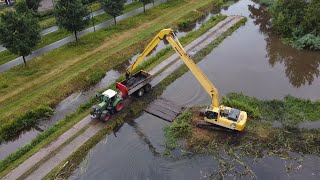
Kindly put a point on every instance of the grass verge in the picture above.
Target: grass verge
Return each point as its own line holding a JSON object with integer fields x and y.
{"x": 52, "y": 133}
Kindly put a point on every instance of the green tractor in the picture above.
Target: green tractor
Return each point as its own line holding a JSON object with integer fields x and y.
{"x": 110, "y": 103}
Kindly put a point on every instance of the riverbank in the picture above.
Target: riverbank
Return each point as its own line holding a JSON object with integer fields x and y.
{"x": 231, "y": 149}
{"x": 296, "y": 22}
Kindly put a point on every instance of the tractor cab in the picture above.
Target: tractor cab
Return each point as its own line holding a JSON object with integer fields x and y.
{"x": 109, "y": 95}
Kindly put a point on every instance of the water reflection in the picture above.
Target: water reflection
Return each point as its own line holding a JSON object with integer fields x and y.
{"x": 301, "y": 67}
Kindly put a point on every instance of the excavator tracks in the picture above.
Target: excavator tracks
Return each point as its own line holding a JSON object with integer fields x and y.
{"x": 209, "y": 126}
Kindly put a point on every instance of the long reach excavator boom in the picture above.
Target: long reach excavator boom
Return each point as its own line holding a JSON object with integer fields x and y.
{"x": 168, "y": 34}
{"x": 219, "y": 115}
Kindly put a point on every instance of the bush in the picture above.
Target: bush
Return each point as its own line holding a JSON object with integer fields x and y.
{"x": 309, "y": 41}
{"x": 44, "y": 14}
{"x": 298, "y": 21}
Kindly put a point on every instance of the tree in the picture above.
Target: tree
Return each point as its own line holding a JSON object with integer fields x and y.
{"x": 21, "y": 7}
{"x": 287, "y": 15}
{"x": 145, "y": 2}
{"x": 33, "y": 4}
{"x": 113, "y": 7}
{"x": 71, "y": 15}
{"x": 311, "y": 21}
{"x": 19, "y": 31}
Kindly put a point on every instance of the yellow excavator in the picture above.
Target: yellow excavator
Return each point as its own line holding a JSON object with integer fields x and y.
{"x": 216, "y": 114}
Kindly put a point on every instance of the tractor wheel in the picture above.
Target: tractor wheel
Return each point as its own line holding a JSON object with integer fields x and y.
{"x": 147, "y": 88}
{"x": 119, "y": 106}
{"x": 140, "y": 92}
{"x": 105, "y": 116}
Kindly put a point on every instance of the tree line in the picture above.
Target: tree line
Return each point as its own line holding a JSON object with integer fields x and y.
{"x": 297, "y": 21}
{"x": 20, "y": 29}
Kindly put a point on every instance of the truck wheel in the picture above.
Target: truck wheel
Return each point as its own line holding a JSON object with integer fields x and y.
{"x": 119, "y": 106}
{"x": 233, "y": 126}
{"x": 140, "y": 92}
{"x": 105, "y": 116}
{"x": 147, "y": 88}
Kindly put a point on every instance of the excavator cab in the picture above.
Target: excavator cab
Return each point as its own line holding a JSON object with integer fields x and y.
{"x": 227, "y": 117}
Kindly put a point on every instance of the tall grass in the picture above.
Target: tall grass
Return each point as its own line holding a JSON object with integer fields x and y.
{"x": 180, "y": 128}
{"x": 290, "y": 111}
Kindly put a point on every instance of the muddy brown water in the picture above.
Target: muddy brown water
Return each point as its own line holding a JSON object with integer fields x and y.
{"x": 252, "y": 60}
{"x": 72, "y": 102}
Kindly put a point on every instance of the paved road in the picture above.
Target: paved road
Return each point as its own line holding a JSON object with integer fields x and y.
{"x": 95, "y": 126}
{"x": 71, "y": 38}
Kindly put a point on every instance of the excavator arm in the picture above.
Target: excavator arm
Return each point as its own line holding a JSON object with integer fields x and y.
{"x": 204, "y": 81}
{"x": 155, "y": 41}
{"x": 168, "y": 34}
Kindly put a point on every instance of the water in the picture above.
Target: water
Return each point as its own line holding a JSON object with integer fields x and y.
{"x": 13, "y": 145}
{"x": 253, "y": 61}
{"x": 128, "y": 154}
{"x": 72, "y": 102}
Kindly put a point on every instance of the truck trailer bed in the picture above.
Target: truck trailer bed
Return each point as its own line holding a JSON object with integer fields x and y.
{"x": 136, "y": 82}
